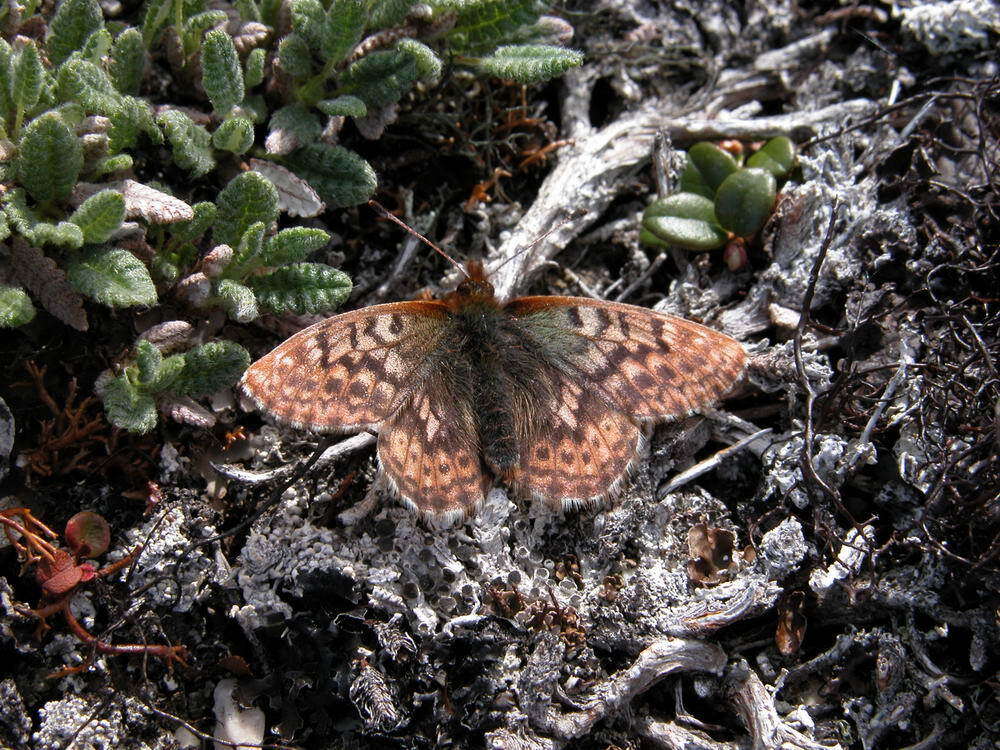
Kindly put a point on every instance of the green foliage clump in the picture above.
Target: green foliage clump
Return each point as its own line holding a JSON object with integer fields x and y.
{"x": 132, "y": 396}
{"x": 719, "y": 197}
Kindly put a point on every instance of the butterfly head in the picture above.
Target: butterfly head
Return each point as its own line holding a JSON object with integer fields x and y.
{"x": 476, "y": 286}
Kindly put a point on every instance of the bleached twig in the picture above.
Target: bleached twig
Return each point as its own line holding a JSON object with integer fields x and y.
{"x": 654, "y": 663}
{"x": 343, "y": 448}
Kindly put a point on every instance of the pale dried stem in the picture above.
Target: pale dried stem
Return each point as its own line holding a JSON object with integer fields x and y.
{"x": 663, "y": 658}
{"x": 755, "y": 706}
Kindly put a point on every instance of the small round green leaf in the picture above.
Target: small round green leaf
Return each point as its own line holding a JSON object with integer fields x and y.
{"x": 745, "y": 200}
{"x": 712, "y": 162}
{"x": 685, "y": 205}
{"x": 234, "y": 135}
{"x": 777, "y": 156}
{"x": 684, "y": 219}
{"x": 127, "y": 407}
{"x": 692, "y": 234}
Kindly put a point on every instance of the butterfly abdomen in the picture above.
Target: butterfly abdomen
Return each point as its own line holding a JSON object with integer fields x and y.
{"x": 491, "y": 387}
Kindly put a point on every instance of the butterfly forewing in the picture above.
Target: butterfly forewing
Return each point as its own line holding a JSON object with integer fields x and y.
{"x": 429, "y": 452}
{"x": 351, "y": 371}
{"x": 649, "y": 365}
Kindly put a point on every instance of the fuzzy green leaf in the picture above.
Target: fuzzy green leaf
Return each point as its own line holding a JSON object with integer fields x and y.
{"x": 128, "y": 61}
{"x": 7, "y": 59}
{"x": 4, "y": 226}
{"x": 744, "y": 200}
{"x": 254, "y": 68}
{"x": 210, "y": 367}
{"x": 341, "y": 177}
{"x": 113, "y": 277}
{"x": 482, "y": 24}
{"x": 15, "y": 307}
{"x": 234, "y": 135}
{"x": 293, "y": 245}
{"x": 382, "y": 77}
{"x": 81, "y": 81}
{"x": 199, "y": 23}
{"x": 65, "y": 234}
{"x": 248, "y": 198}
{"x": 247, "y": 255}
{"x": 777, "y": 156}
{"x": 128, "y": 407}
{"x": 168, "y": 374}
{"x": 191, "y": 143}
{"x": 50, "y": 158}
{"x": 308, "y": 18}
{"x": 388, "y": 13}
{"x": 713, "y": 164}
{"x": 26, "y": 81}
{"x": 297, "y": 120}
{"x": 428, "y": 63}
{"x": 301, "y": 288}
{"x": 237, "y": 300}
{"x": 109, "y": 164}
{"x": 100, "y": 215}
{"x": 73, "y": 23}
{"x": 96, "y": 48}
{"x": 221, "y": 75}
{"x": 148, "y": 360}
{"x": 131, "y": 117}
{"x": 343, "y": 106}
{"x": 191, "y": 230}
{"x": 295, "y": 57}
{"x": 342, "y": 28}
{"x": 154, "y": 19}
{"x": 529, "y": 63}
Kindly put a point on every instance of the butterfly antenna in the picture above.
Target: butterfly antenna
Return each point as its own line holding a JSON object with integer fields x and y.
{"x": 385, "y": 212}
{"x": 576, "y": 213}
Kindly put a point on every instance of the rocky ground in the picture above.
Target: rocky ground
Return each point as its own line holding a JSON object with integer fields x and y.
{"x": 833, "y": 582}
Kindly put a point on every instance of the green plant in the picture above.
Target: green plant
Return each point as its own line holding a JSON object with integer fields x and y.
{"x": 719, "y": 197}
{"x": 151, "y": 380}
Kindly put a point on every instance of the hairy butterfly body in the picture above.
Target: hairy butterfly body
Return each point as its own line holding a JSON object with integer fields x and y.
{"x": 548, "y": 395}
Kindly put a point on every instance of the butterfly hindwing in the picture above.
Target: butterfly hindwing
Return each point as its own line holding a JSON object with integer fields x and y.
{"x": 348, "y": 372}
{"x": 650, "y": 365}
{"x": 430, "y": 453}
{"x": 579, "y": 449}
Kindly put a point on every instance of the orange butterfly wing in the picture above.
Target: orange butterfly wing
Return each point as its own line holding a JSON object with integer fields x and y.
{"x": 649, "y": 365}
{"x": 349, "y": 372}
{"x": 429, "y": 451}
{"x": 615, "y": 366}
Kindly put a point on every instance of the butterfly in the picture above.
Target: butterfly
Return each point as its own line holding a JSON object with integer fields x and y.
{"x": 548, "y": 395}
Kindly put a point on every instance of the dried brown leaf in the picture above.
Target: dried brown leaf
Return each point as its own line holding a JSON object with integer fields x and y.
{"x": 186, "y": 410}
{"x": 295, "y": 196}
{"x": 169, "y": 336}
{"x": 48, "y": 283}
